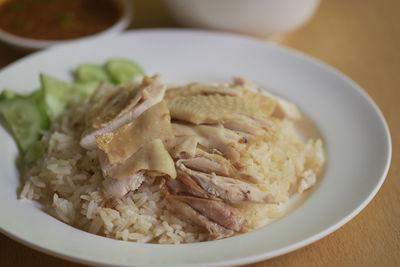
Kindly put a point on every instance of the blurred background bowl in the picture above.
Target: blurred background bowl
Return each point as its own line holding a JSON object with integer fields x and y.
{"x": 263, "y": 18}
{"x": 29, "y": 44}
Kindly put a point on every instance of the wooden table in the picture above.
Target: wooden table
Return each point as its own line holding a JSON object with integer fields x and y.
{"x": 361, "y": 38}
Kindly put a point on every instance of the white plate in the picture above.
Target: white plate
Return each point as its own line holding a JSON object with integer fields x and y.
{"x": 356, "y": 136}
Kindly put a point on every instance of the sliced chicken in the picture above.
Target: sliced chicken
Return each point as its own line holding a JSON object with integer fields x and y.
{"x": 284, "y": 109}
{"x": 184, "y": 185}
{"x": 210, "y": 163}
{"x": 251, "y": 176}
{"x": 197, "y": 159}
{"x": 229, "y": 189}
{"x": 154, "y": 123}
{"x": 213, "y": 137}
{"x": 231, "y": 106}
{"x": 200, "y": 160}
{"x": 187, "y": 213}
{"x": 246, "y": 84}
{"x": 115, "y": 189}
{"x": 227, "y": 142}
{"x": 177, "y": 187}
{"x": 136, "y": 147}
{"x": 211, "y": 109}
{"x": 220, "y": 141}
{"x": 217, "y": 211}
{"x": 246, "y": 125}
{"x": 151, "y": 157}
{"x": 114, "y": 108}
{"x": 183, "y": 146}
{"x": 201, "y": 89}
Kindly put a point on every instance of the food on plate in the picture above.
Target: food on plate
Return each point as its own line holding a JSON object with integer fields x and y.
{"x": 121, "y": 154}
{"x": 58, "y": 19}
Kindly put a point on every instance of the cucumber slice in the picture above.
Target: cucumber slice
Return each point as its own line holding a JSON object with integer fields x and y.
{"x": 86, "y": 89}
{"x": 57, "y": 94}
{"x": 34, "y": 152}
{"x": 8, "y": 94}
{"x": 91, "y": 72}
{"x": 37, "y": 97}
{"x": 123, "y": 70}
{"x": 25, "y": 120}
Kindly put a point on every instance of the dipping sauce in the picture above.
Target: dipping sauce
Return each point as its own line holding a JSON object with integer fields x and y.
{"x": 58, "y": 19}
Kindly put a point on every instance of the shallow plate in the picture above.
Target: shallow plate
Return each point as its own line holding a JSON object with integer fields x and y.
{"x": 356, "y": 136}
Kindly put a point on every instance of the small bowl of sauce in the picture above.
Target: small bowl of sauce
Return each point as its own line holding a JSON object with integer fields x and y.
{"x": 36, "y": 24}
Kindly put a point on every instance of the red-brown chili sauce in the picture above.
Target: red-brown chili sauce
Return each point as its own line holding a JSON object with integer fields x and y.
{"x": 58, "y": 19}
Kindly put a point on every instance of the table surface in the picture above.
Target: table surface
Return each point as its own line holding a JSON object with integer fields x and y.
{"x": 360, "y": 38}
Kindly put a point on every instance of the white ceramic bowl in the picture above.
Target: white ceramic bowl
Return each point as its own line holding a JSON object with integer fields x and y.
{"x": 266, "y": 18}
{"x": 29, "y": 44}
